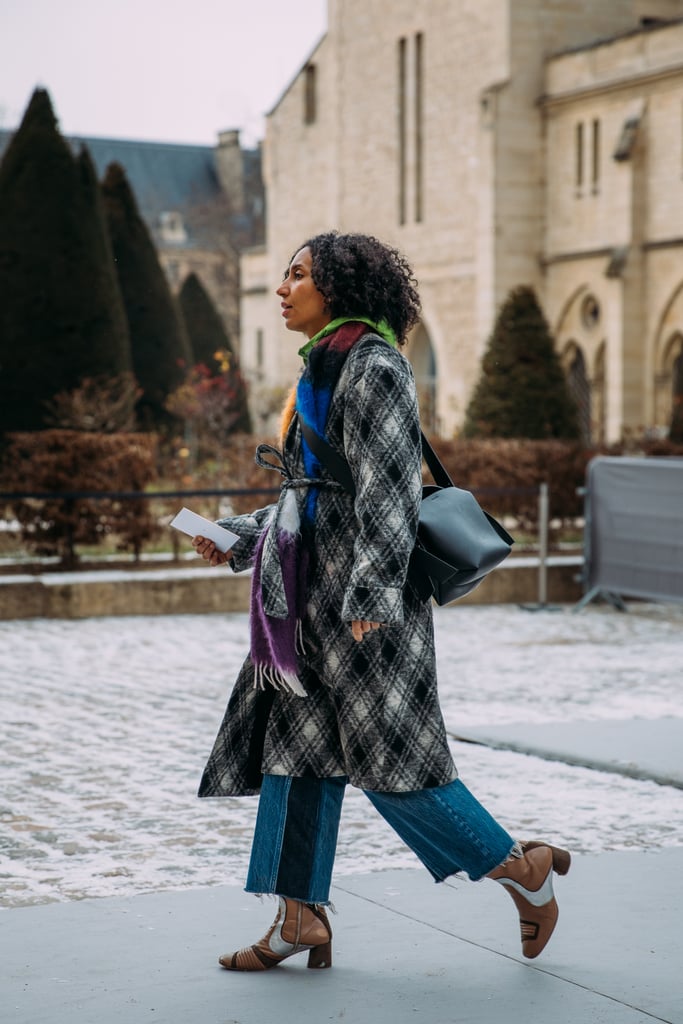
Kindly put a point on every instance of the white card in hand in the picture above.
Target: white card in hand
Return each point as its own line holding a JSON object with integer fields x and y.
{"x": 195, "y": 525}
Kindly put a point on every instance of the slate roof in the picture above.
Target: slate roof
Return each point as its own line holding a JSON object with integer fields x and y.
{"x": 173, "y": 176}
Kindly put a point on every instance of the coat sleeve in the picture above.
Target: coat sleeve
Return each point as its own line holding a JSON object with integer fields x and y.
{"x": 383, "y": 448}
{"x": 248, "y": 528}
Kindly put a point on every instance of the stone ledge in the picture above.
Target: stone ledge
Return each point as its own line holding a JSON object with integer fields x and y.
{"x": 82, "y": 595}
{"x": 203, "y": 590}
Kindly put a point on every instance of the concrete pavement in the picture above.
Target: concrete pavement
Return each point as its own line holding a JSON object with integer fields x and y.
{"x": 404, "y": 950}
{"x": 640, "y": 748}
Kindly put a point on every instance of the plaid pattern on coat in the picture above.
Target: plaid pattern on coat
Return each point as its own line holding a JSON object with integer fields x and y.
{"x": 372, "y": 710}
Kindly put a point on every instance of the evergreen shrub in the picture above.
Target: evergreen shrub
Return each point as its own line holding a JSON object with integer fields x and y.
{"x": 522, "y": 391}
{"x": 61, "y": 315}
{"x": 160, "y": 348}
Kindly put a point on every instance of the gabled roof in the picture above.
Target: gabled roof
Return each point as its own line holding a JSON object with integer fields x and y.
{"x": 163, "y": 176}
{"x": 168, "y": 176}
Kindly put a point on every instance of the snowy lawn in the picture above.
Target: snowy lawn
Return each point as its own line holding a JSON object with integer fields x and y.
{"x": 107, "y": 723}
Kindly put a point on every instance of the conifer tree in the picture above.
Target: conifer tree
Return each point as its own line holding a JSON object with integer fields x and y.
{"x": 61, "y": 314}
{"x": 160, "y": 349}
{"x": 210, "y": 341}
{"x": 522, "y": 391}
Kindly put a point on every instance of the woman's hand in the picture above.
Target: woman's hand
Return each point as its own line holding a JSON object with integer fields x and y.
{"x": 359, "y": 627}
{"x": 208, "y": 550}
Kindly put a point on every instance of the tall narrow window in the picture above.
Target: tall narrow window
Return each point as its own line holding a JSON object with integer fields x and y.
{"x": 579, "y": 156}
{"x": 419, "y": 105}
{"x": 595, "y": 156}
{"x": 402, "y": 156}
{"x": 309, "y": 94}
{"x": 581, "y": 390}
{"x": 259, "y": 348}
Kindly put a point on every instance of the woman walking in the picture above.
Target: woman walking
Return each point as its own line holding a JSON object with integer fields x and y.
{"x": 340, "y": 684}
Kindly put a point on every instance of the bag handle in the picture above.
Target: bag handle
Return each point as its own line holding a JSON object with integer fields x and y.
{"x": 339, "y": 467}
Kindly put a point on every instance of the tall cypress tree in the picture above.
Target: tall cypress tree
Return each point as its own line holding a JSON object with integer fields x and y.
{"x": 208, "y": 337}
{"x": 522, "y": 391}
{"x": 61, "y": 315}
{"x": 160, "y": 349}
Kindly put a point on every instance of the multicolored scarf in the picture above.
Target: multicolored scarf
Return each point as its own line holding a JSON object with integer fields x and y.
{"x": 280, "y": 580}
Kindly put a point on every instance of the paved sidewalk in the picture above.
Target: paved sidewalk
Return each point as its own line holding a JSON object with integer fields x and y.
{"x": 404, "y": 950}
{"x": 640, "y": 748}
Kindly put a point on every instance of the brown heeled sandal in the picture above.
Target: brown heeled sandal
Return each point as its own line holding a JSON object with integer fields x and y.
{"x": 297, "y": 927}
{"x": 529, "y": 880}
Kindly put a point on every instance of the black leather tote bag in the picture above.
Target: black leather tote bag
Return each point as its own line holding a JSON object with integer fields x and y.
{"x": 458, "y": 543}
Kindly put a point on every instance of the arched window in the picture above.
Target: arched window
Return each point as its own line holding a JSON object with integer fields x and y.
{"x": 421, "y": 355}
{"x": 677, "y": 372}
{"x": 669, "y": 380}
{"x": 579, "y": 386}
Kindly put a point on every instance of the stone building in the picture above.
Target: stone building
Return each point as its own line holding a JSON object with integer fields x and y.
{"x": 613, "y": 246}
{"x": 497, "y": 143}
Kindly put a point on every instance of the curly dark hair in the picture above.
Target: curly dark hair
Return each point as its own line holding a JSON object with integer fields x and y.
{"x": 358, "y": 274}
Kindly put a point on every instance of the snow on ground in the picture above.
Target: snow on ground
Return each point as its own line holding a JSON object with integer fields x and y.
{"x": 107, "y": 723}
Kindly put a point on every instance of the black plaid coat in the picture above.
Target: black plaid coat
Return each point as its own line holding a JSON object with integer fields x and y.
{"x": 372, "y": 712}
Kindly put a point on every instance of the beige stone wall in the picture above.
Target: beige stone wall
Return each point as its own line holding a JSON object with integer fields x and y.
{"x": 538, "y": 28}
{"x": 497, "y": 186}
{"x": 219, "y": 274}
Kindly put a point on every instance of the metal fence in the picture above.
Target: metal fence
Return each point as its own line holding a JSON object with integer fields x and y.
{"x": 633, "y": 543}
{"x": 181, "y": 497}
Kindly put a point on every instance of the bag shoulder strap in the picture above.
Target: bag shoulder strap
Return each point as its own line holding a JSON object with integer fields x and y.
{"x": 436, "y": 468}
{"x": 339, "y": 467}
{"x": 332, "y": 460}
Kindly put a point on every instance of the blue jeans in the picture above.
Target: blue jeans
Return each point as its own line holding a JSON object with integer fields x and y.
{"x": 298, "y": 820}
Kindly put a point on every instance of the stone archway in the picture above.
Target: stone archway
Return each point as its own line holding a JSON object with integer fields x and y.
{"x": 668, "y": 358}
{"x": 669, "y": 380}
{"x": 423, "y": 360}
{"x": 580, "y": 339}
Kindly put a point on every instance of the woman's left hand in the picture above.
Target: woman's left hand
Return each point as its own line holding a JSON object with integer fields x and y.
{"x": 359, "y": 627}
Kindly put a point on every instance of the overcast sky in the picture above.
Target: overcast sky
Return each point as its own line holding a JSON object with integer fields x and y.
{"x": 154, "y": 69}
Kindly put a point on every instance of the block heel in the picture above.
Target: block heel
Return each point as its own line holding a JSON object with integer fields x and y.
{"x": 320, "y": 956}
{"x": 562, "y": 859}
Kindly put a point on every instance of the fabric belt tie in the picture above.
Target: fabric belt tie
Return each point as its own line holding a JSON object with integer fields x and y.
{"x": 287, "y": 519}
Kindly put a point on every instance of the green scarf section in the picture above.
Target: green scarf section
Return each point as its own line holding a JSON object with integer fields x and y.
{"x": 382, "y": 328}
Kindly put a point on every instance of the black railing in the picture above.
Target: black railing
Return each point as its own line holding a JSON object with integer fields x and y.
{"x": 134, "y": 495}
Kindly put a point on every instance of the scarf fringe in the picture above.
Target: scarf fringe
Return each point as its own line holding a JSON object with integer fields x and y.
{"x": 299, "y": 638}
{"x": 288, "y": 682}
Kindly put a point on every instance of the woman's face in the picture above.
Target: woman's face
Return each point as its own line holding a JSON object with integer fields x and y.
{"x": 303, "y": 307}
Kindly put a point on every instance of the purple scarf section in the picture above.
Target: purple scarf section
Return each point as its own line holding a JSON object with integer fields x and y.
{"x": 275, "y": 642}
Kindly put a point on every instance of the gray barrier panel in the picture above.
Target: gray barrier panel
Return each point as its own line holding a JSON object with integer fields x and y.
{"x": 634, "y": 528}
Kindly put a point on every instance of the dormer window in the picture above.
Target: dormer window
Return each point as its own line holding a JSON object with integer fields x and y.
{"x": 172, "y": 228}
